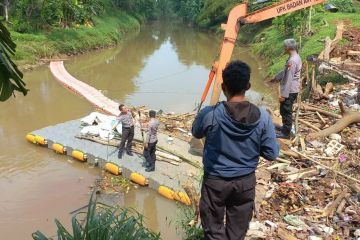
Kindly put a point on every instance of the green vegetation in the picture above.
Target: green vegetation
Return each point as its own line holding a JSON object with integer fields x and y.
{"x": 45, "y": 29}
{"x": 103, "y": 222}
{"x": 268, "y": 42}
{"x": 266, "y": 38}
{"x": 10, "y": 76}
{"x": 190, "y": 232}
{"x": 108, "y": 30}
{"x": 331, "y": 77}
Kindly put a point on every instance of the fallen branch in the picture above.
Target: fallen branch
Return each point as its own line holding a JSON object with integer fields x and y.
{"x": 353, "y": 53}
{"x": 347, "y": 119}
{"x": 307, "y": 107}
{"x": 328, "y": 168}
{"x": 283, "y": 160}
{"x": 285, "y": 235}
{"x": 321, "y": 118}
{"x": 342, "y": 204}
{"x": 330, "y": 210}
{"x": 290, "y": 154}
{"x": 309, "y": 125}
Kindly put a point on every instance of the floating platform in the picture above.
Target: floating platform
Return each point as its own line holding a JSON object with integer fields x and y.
{"x": 167, "y": 178}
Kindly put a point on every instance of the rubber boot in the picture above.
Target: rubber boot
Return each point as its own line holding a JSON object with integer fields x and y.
{"x": 151, "y": 168}
{"x": 283, "y": 135}
{"x": 129, "y": 153}
{"x": 146, "y": 164}
{"x": 120, "y": 153}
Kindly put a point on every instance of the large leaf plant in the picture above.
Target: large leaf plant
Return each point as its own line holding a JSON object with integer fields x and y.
{"x": 10, "y": 75}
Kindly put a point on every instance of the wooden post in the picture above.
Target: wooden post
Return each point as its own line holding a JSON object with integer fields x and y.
{"x": 310, "y": 16}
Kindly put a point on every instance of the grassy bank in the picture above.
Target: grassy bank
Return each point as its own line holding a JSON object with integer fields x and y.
{"x": 108, "y": 30}
{"x": 267, "y": 41}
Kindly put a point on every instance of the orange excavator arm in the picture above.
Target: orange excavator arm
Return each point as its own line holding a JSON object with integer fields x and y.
{"x": 237, "y": 17}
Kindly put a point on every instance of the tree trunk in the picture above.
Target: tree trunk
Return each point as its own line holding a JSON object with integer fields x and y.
{"x": 347, "y": 119}
{"x": 6, "y": 10}
{"x": 330, "y": 44}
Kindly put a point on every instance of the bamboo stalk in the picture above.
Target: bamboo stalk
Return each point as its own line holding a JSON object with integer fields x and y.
{"x": 320, "y": 117}
{"x": 309, "y": 125}
{"x": 307, "y": 107}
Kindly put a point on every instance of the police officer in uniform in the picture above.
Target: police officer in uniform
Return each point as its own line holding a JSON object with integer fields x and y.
{"x": 126, "y": 118}
{"x": 150, "y": 142}
{"x": 289, "y": 87}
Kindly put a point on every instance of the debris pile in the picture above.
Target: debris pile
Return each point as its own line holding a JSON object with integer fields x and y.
{"x": 348, "y": 55}
{"x": 314, "y": 191}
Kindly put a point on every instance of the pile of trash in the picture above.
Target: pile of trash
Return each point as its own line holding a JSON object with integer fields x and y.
{"x": 99, "y": 125}
{"x": 349, "y": 93}
{"x": 314, "y": 190}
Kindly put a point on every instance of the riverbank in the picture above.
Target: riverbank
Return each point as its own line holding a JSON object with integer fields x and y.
{"x": 266, "y": 41}
{"x": 37, "y": 48}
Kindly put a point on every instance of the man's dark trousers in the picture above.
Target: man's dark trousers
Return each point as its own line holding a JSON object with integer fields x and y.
{"x": 233, "y": 198}
{"x": 127, "y": 135}
{"x": 286, "y": 110}
{"x": 149, "y": 154}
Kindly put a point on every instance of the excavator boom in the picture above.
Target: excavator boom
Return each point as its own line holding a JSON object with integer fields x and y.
{"x": 238, "y": 16}
{"x": 279, "y": 9}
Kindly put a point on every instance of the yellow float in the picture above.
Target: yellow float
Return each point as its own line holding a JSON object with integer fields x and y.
{"x": 81, "y": 156}
{"x": 183, "y": 198}
{"x": 40, "y": 140}
{"x": 58, "y": 148}
{"x": 139, "y": 179}
{"x": 166, "y": 192}
{"x": 112, "y": 168}
{"x": 31, "y": 138}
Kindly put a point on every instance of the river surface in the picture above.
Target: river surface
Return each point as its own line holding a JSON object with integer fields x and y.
{"x": 164, "y": 66}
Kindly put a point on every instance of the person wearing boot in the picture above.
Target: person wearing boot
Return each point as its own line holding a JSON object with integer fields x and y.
{"x": 150, "y": 142}
{"x": 289, "y": 87}
{"x": 126, "y": 118}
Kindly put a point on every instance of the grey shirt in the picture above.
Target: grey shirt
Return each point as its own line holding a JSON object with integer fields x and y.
{"x": 151, "y": 131}
{"x": 125, "y": 119}
{"x": 290, "y": 76}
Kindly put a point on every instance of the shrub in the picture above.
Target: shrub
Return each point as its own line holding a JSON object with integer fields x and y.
{"x": 104, "y": 223}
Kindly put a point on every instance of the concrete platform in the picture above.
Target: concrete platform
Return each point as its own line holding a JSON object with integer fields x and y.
{"x": 166, "y": 174}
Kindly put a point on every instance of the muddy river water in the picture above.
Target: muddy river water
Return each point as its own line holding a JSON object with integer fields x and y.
{"x": 164, "y": 66}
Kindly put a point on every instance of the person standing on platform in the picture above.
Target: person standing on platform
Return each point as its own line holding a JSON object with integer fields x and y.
{"x": 150, "y": 142}
{"x": 126, "y": 118}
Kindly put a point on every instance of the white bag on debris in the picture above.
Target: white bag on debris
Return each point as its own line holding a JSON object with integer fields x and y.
{"x": 98, "y": 118}
{"x": 90, "y": 130}
{"x": 104, "y": 126}
{"x": 105, "y": 131}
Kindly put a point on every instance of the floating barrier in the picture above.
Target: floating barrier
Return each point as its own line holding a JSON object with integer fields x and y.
{"x": 183, "y": 198}
{"x": 31, "y": 138}
{"x": 40, "y": 140}
{"x": 112, "y": 168}
{"x": 166, "y": 192}
{"x": 58, "y": 148}
{"x": 78, "y": 155}
{"x": 139, "y": 179}
{"x": 78, "y": 87}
